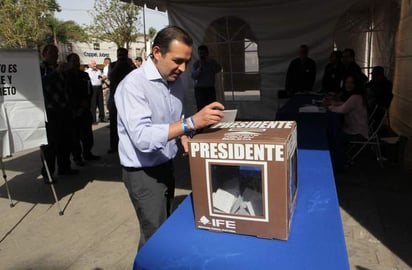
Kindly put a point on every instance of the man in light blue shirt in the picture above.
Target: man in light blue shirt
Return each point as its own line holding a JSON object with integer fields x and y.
{"x": 149, "y": 101}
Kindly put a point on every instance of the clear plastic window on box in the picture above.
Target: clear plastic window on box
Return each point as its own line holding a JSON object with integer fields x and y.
{"x": 237, "y": 190}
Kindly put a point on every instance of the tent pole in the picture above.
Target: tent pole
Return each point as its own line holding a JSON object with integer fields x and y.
{"x": 144, "y": 31}
{"x": 5, "y": 181}
{"x": 50, "y": 181}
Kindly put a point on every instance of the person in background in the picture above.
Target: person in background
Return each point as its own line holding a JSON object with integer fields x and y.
{"x": 106, "y": 82}
{"x": 301, "y": 73}
{"x": 332, "y": 76}
{"x": 96, "y": 77}
{"x": 350, "y": 67}
{"x": 204, "y": 72}
{"x": 59, "y": 115}
{"x": 119, "y": 71}
{"x": 150, "y": 121}
{"x": 50, "y": 54}
{"x": 106, "y": 63}
{"x": 355, "y": 123}
{"x": 138, "y": 61}
{"x": 379, "y": 89}
{"x": 78, "y": 83}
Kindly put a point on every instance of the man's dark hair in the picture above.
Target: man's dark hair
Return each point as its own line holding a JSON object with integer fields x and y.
{"x": 338, "y": 54}
{"x": 108, "y": 58}
{"x": 139, "y": 59}
{"x": 203, "y": 48}
{"x": 305, "y": 47}
{"x": 122, "y": 53}
{"x": 165, "y": 36}
{"x": 378, "y": 70}
{"x": 350, "y": 51}
{"x": 47, "y": 48}
{"x": 71, "y": 56}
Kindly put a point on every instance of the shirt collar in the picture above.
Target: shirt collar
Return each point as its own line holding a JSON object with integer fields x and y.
{"x": 151, "y": 72}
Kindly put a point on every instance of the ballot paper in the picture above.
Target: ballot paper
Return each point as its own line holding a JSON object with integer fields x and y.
{"x": 229, "y": 116}
{"x": 223, "y": 200}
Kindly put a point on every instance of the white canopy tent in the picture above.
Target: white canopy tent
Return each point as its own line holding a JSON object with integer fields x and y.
{"x": 278, "y": 27}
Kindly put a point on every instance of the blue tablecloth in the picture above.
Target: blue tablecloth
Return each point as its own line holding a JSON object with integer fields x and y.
{"x": 316, "y": 240}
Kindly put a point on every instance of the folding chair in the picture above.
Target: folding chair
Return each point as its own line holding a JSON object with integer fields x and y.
{"x": 375, "y": 123}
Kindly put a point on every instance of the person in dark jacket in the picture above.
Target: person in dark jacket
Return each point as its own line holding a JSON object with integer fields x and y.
{"x": 332, "y": 77}
{"x": 379, "y": 89}
{"x": 301, "y": 73}
{"x": 59, "y": 120}
{"x": 80, "y": 87}
{"x": 122, "y": 67}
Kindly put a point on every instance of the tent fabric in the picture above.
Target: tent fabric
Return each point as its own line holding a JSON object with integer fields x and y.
{"x": 280, "y": 26}
{"x": 401, "y": 107}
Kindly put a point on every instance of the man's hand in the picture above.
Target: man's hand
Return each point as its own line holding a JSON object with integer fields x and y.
{"x": 209, "y": 115}
{"x": 185, "y": 143}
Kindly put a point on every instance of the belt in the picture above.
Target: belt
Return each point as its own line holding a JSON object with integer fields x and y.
{"x": 160, "y": 166}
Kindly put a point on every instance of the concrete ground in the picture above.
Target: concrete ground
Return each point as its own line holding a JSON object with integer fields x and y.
{"x": 99, "y": 228}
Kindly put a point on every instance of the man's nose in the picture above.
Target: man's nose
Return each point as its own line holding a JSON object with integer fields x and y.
{"x": 182, "y": 67}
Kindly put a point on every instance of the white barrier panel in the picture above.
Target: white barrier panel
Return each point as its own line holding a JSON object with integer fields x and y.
{"x": 22, "y": 112}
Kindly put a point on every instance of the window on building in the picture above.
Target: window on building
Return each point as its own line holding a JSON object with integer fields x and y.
{"x": 96, "y": 46}
{"x": 232, "y": 43}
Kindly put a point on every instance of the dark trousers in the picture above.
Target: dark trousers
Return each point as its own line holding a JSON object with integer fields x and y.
{"x": 114, "y": 137}
{"x": 82, "y": 135}
{"x": 151, "y": 191}
{"x": 59, "y": 137}
{"x": 204, "y": 96}
{"x": 97, "y": 102}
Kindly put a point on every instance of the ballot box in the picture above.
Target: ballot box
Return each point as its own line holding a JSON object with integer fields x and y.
{"x": 244, "y": 177}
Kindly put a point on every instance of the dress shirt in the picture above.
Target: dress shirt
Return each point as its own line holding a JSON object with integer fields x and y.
{"x": 94, "y": 76}
{"x": 106, "y": 70}
{"x": 146, "y": 105}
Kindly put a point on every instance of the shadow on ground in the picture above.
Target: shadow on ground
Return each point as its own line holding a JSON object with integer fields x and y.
{"x": 380, "y": 199}
{"x": 26, "y": 183}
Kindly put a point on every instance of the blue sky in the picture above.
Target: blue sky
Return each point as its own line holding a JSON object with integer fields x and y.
{"x": 78, "y": 11}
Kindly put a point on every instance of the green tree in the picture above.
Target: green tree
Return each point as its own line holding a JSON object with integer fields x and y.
{"x": 65, "y": 31}
{"x": 115, "y": 21}
{"x": 25, "y": 22}
{"x": 152, "y": 33}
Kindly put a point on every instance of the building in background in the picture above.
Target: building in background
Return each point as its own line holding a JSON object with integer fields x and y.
{"x": 99, "y": 50}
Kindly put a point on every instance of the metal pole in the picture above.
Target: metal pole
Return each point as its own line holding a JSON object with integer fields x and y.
{"x": 144, "y": 31}
{"x": 49, "y": 180}
{"x": 5, "y": 180}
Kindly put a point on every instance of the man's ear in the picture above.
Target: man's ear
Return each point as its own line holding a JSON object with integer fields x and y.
{"x": 156, "y": 52}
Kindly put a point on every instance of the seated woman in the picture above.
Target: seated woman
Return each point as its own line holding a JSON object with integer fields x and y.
{"x": 355, "y": 124}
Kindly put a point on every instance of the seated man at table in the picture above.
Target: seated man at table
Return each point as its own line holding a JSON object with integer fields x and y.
{"x": 301, "y": 73}
{"x": 350, "y": 67}
{"x": 379, "y": 89}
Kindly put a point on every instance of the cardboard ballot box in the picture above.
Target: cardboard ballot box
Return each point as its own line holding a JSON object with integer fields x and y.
{"x": 244, "y": 177}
